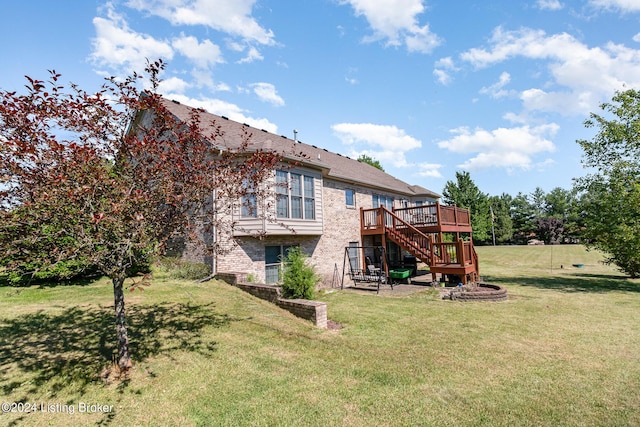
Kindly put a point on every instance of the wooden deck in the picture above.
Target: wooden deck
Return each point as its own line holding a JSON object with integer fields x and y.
{"x": 418, "y": 230}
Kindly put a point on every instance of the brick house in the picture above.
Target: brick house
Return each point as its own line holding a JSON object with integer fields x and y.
{"x": 324, "y": 203}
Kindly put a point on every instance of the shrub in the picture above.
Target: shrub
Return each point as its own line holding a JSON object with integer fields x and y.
{"x": 179, "y": 269}
{"x": 30, "y": 273}
{"x": 299, "y": 279}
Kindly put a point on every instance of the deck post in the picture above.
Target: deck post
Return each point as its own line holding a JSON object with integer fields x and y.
{"x": 460, "y": 254}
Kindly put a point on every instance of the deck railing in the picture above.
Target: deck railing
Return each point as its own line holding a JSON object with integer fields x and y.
{"x": 453, "y": 215}
{"x": 433, "y": 215}
{"x": 460, "y": 252}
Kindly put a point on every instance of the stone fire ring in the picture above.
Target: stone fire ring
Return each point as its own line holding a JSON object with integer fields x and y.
{"x": 483, "y": 292}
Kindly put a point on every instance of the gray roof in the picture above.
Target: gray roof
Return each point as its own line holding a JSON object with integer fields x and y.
{"x": 334, "y": 166}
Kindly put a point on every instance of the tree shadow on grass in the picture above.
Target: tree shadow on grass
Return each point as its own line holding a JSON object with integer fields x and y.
{"x": 54, "y": 351}
{"x": 578, "y": 282}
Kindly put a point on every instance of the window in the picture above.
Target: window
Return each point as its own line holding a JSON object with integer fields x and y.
{"x": 295, "y": 196}
{"x": 282, "y": 195}
{"x": 385, "y": 201}
{"x": 350, "y": 196}
{"x": 273, "y": 260}
{"x": 309, "y": 198}
{"x": 249, "y": 208}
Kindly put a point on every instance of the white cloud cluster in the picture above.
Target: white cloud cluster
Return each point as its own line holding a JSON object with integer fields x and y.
{"x": 231, "y": 17}
{"x": 385, "y": 143}
{"x": 119, "y": 47}
{"x": 429, "y": 170}
{"x": 396, "y": 22}
{"x": 497, "y": 89}
{"x": 203, "y": 54}
{"x": 120, "y": 50}
{"x": 549, "y": 4}
{"x": 507, "y": 148}
{"x": 621, "y": 5}
{"x": 443, "y": 69}
{"x": 582, "y": 76}
{"x": 267, "y": 93}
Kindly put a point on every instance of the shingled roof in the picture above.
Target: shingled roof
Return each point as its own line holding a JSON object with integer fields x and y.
{"x": 334, "y": 166}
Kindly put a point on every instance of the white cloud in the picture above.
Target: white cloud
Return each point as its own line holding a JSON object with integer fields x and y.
{"x": 622, "y": 5}
{"x": 118, "y": 47}
{"x": 267, "y": 93}
{"x": 443, "y": 69}
{"x": 443, "y": 77}
{"x": 390, "y": 143}
{"x": 581, "y": 76}
{"x": 549, "y": 4}
{"x": 507, "y": 148}
{"x": 203, "y": 54}
{"x": 395, "y": 22}
{"x": 429, "y": 170}
{"x": 223, "y": 108}
{"x": 497, "y": 90}
{"x": 253, "y": 54}
{"x": 231, "y": 17}
{"x": 173, "y": 85}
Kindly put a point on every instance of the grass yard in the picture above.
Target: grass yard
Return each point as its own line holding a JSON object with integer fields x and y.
{"x": 563, "y": 350}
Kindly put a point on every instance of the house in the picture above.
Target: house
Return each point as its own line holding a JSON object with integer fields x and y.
{"x": 329, "y": 202}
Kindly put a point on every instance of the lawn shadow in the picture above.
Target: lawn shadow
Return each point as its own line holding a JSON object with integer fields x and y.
{"x": 575, "y": 282}
{"x": 68, "y": 350}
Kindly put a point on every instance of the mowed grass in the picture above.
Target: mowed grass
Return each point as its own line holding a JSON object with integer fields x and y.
{"x": 563, "y": 350}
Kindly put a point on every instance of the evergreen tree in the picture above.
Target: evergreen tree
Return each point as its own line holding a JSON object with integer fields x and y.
{"x": 464, "y": 193}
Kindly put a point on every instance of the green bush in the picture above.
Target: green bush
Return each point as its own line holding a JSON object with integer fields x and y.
{"x": 179, "y": 269}
{"x": 26, "y": 274}
{"x": 299, "y": 279}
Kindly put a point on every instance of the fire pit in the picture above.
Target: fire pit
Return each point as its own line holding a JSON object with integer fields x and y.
{"x": 477, "y": 292}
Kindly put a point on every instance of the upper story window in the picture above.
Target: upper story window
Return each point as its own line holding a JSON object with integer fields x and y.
{"x": 295, "y": 195}
{"x": 350, "y": 197}
{"x": 249, "y": 201}
{"x": 385, "y": 201}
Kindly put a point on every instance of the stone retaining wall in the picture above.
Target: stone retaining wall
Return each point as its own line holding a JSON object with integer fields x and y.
{"x": 314, "y": 311}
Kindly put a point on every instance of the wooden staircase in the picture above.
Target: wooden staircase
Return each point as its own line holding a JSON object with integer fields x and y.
{"x": 419, "y": 231}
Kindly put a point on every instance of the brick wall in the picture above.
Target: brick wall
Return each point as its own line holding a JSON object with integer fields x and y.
{"x": 341, "y": 225}
{"x": 314, "y": 311}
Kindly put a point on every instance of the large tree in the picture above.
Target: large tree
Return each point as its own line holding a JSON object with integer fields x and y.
{"x": 611, "y": 194}
{"x": 82, "y": 177}
{"x": 370, "y": 161}
{"x": 502, "y": 225}
{"x": 464, "y": 193}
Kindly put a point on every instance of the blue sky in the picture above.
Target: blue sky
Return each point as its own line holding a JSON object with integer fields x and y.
{"x": 428, "y": 87}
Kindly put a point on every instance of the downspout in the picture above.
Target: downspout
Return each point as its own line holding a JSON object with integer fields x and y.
{"x": 214, "y": 232}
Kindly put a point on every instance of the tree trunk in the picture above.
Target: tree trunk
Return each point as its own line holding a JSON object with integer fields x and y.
{"x": 124, "y": 358}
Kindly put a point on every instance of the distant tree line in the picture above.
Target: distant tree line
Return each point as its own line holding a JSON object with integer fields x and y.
{"x": 553, "y": 217}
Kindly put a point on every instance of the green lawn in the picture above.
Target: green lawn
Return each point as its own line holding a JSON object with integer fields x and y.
{"x": 563, "y": 350}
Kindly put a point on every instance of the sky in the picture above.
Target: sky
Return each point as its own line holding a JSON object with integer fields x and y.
{"x": 500, "y": 89}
